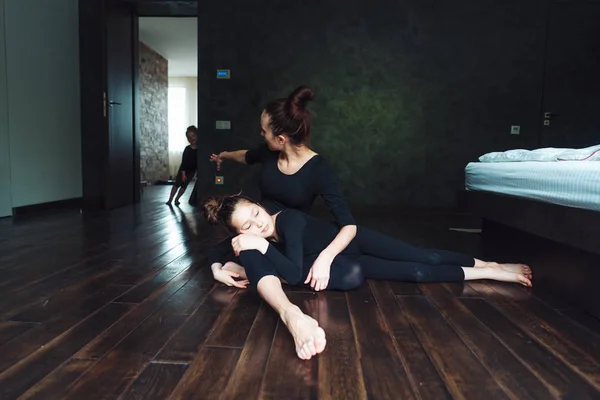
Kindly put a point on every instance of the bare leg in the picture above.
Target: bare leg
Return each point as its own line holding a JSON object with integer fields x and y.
{"x": 308, "y": 336}
{"x": 516, "y": 268}
{"x": 181, "y": 192}
{"x": 497, "y": 274}
{"x": 173, "y": 191}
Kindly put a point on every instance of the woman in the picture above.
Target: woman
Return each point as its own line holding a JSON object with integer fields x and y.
{"x": 291, "y": 239}
{"x": 292, "y": 176}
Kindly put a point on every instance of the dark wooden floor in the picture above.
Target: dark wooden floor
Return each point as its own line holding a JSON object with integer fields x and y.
{"x": 124, "y": 306}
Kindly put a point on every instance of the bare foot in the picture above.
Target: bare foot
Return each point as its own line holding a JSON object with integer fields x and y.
{"x": 501, "y": 274}
{"x": 516, "y": 268}
{"x": 238, "y": 269}
{"x": 308, "y": 336}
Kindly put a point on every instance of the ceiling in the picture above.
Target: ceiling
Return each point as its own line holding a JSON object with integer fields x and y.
{"x": 176, "y": 39}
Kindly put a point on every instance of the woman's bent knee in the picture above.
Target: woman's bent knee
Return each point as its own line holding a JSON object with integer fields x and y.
{"x": 350, "y": 280}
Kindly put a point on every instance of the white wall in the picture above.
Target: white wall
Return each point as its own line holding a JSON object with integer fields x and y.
{"x": 42, "y": 53}
{"x": 5, "y": 202}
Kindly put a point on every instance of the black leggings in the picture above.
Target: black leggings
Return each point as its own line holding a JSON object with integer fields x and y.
{"x": 374, "y": 255}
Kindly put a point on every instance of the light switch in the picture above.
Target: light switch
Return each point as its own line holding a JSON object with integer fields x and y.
{"x": 222, "y": 124}
{"x": 515, "y": 130}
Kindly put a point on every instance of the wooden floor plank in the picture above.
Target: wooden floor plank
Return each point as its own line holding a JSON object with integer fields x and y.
{"x": 27, "y": 372}
{"x": 35, "y": 338}
{"x": 112, "y": 374}
{"x": 247, "y": 377}
{"x": 208, "y": 374}
{"x": 107, "y": 340}
{"x": 558, "y": 342}
{"x": 141, "y": 292}
{"x": 383, "y": 372}
{"x": 426, "y": 381}
{"x": 53, "y": 385}
{"x": 340, "y": 372}
{"x": 40, "y": 292}
{"x": 10, "y": 330}
{"x": 405, "y": 288}
{"x": 513, "y": 376}
{"x": 186, "y": 342}
{"x": 585, "y": 339}
{"x": 463, "y": 374}
{"x": 156, "y": 382}
{"x": 236, "y": 321}
{"x": 52, "y": 305}
{"x": 559, "y": 378}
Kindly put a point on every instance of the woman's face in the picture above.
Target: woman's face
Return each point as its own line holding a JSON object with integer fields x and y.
{"x": 253, "y": 219}
{"x": 275, "y": 143}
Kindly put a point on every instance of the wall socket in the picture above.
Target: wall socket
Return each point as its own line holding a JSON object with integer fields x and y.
{"x": 223, "y": 124}
{"x": 515, "y": 129}
{"x": 219, "y": 180}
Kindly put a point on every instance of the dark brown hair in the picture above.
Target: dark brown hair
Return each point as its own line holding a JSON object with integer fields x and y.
{"x": 191, "y": 128}
{"x": 290, "y": 117}
{"x": 218, "y": 210}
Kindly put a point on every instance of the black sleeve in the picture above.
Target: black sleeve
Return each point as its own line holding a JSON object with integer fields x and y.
{"x": 291, "y": 230}
{"x": 221, "y": 253}
{"x": 328, "y": 188}
{"x": 258, "y": 154}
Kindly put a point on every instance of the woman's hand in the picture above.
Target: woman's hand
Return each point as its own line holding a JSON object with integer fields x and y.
{"x": 318, "y": 276}
{"x": 227, "y": 277}
{"x": 218, "y": 159}
{"x": 247, "y": 241}
{"x": 183, "y": 176}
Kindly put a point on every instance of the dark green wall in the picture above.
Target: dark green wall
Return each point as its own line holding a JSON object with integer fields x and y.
{"x": 407, "y": 92}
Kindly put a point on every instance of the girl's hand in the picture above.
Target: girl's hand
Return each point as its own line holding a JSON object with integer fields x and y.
{"x": 183, "y": 176}
{"x": 249, "y": 242}
{"x": 227, "y": 277}
{"x": 318, "y": 276}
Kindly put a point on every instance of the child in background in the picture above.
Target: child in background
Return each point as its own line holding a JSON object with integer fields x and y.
{"x": 189, "y": 164}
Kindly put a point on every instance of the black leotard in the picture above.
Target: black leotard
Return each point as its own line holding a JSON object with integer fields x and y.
{"x": 370, "y": 255}
{"x": 297, "y": 191}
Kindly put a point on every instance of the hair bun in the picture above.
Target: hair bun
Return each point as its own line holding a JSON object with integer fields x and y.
{"x": 211, "y": 208}
{"x": 299, "y": 99}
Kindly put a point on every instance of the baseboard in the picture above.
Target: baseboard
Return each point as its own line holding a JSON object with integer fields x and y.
{"x": 42, "y": 208}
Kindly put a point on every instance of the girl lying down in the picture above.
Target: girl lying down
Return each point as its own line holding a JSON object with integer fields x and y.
{"x": 289, "y": 242}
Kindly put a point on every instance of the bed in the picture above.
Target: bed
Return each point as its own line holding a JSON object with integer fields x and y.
{"x": 551, "y": 199}
{"x": 566, "y": 183}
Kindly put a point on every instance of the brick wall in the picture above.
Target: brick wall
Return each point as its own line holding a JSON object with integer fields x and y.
{"x": 154, "y": 94}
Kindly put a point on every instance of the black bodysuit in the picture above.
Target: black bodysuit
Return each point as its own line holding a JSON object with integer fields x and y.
{"x": 297, "y": 191}
{"x": 370, "y": 255}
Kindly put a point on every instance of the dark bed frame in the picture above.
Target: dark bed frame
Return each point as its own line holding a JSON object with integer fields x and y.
{"x": 561, "y": 243}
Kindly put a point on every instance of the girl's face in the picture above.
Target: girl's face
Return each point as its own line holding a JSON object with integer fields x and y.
{"x": 191, "y": 137}
{"x": 253, "y": 219}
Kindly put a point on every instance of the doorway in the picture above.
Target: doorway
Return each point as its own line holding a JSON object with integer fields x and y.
{"x": 111, "y": 105}
{"x": 168, "y": 69}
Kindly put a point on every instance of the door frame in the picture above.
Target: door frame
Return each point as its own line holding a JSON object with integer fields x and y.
{"x": 94, "y": 89}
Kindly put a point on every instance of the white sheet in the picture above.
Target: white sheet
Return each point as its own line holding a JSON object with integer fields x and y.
{"x": 567, "y": 183}
{"x": 548, "y": 154}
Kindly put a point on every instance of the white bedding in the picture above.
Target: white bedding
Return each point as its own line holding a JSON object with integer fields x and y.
{"x": 567, "y": 183}
{"x": 548, "y": 154}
